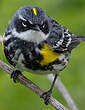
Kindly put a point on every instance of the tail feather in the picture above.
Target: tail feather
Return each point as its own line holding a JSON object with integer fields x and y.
{"x": 81, "y": 38}
{"x": 76, "y": 41}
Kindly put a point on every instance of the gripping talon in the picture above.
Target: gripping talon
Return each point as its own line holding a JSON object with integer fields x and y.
{"x": 46, "y": 96}
{"x": 15, "y": 74}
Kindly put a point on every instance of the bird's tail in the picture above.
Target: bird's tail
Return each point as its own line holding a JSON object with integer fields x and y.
{"x": 76, "y": 40}
{"x": 80, "y": 38}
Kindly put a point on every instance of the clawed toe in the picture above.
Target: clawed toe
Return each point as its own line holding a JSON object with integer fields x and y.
{"x": 46, "y": 96}
{"x": 15, "y": 74}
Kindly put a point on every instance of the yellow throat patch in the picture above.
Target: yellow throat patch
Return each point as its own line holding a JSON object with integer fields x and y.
{"x": 34, "y": 11}
{"x": 48, "y": 55}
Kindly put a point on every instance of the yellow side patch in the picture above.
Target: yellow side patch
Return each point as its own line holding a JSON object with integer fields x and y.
{"x": 34, "y": 11}
{"x": 3, "y": 42}
{"x": 48, "y": 55}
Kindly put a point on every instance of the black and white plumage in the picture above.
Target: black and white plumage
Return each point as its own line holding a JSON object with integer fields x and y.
{"x": 35, "y": 42}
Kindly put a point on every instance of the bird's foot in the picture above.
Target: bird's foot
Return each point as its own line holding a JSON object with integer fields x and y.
{"x": 15, "y": 74}
{"x": 46, "y": 96}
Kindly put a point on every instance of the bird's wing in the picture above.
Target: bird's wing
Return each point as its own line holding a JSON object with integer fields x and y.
{"x": 61, "y": 39}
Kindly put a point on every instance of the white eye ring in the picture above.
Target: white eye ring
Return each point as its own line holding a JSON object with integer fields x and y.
{"x": 30, "y": 22}
{"x": 43, "y": 25}
{"x": 24, "y": 24}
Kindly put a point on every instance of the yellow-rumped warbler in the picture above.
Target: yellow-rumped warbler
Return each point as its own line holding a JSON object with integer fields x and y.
{"x": 36, "y": 43}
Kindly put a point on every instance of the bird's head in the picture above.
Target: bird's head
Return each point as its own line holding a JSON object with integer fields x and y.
{"x": 30, "y": 23}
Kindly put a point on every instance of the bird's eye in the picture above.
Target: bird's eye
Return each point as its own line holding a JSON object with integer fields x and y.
{"x": 44, "y": 27}
{"x": 26, "y": 24}
{"x": 22, "y": 25}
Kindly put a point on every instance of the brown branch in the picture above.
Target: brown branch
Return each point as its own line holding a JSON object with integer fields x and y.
{"x": 29, "y": 84}
{"x": 0, "y": 38}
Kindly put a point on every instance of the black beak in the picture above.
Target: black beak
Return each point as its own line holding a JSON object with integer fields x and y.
{"x": 36, "y": 28}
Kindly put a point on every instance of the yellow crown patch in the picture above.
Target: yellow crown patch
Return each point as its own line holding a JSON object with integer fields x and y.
{"x": 34, "y": 11}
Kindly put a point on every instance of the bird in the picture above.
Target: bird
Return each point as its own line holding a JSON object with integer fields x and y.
{"x": 36, "y": 43}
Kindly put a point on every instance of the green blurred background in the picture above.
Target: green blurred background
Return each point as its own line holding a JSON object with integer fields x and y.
{"x": 71, "y": 14}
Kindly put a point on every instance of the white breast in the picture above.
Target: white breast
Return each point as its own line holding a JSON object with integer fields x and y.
{"x": 31, "y": 35}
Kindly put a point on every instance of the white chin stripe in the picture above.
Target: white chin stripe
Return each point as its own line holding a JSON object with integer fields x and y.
{"x": 30, "y": 35}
